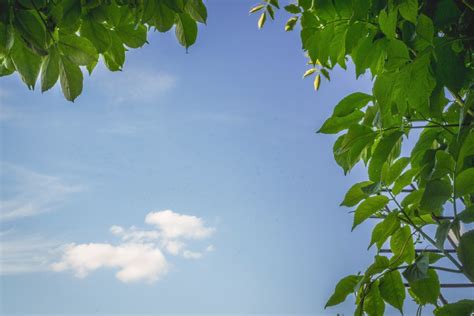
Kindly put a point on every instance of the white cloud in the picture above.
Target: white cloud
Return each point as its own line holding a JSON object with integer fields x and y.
{"x": 174, "y": 225}
{"x": 210, "y": 248}
{"x": 188, "y": 254}
{"x": 27, "y": 193}
{"x": 136, "y": 262}
{"x": 134, "y": 85}
{"x": 139, "y": 256}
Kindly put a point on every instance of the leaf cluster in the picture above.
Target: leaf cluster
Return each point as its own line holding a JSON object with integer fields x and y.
{"x": 54, "y": 39}
{"x": 420, "y": 56}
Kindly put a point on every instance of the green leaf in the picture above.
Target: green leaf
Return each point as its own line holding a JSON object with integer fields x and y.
{"x": 290, "y": 24}
{"x": 350, "y": 103}
{"x": 444, "y": 165}
{"x": 442, "y": 233}
{"x": 437, "y": 192}
{"x": 355, "y": 194}
{"x": 292, "y": 8}
{"x": 71, "y": 14}
{"x": 409, "y": 10}
{"x": 97, "y": 34}
{"x": 374, "y": 304}
{"x": 50, "y": 70}
{"x": 343, "y": 288}
{"x": 460, "y": 308}
{"x": 380, "y": 264}
{"x": 186, "y": 29}
{"x": 382, "y": 153}
{"x": 397, "y": 54}
{"x": 71, "y": 78}
{"x": 78, "y": 49}
{"x": 29, "y": 25}
{"x": 26, "y": 63}
{"x": 388, "y": 22}
{"x": 368, "y": 207}
{"x": 434, "y": 257}
{"x": 383, "y": 230}
{"x": 402, "y": 245}
{"x": 404, "y": 180}
{"x": 424, "y": 32}
{"x": 132, "y": 36}
{"x": 359, "y": 139}
{"x": 467, "y": 216}
{"x": 419, "y": 269}
{"x": 335, "y": 124}
{"x": 466, "y": 253}
{"x": 394, "y": 171}
{"x": 465, "y": 182}
{"x": 164, "y": 18}
{"x": 426, "y": 290}
{"x": 392, "y": 289}
{"x": 115, "y": 56}
{"x": 197, "y": 10}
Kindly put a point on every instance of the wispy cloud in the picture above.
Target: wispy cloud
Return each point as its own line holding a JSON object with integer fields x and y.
{"x": 25, "y": 254}
{"x": 27, "y": 193}
{"x": 139, "y": 256}
{"x": 135, "y": 85}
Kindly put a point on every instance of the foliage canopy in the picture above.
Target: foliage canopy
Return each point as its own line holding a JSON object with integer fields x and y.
{"x": 53, "y": 39}
{"x": 420, "y": 56}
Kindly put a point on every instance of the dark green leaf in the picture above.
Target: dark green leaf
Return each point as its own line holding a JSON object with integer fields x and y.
{"x": 426, "y": 290}
{"x": 26, "y": 63}
{"x": 164, "y": 17}
{"x": 465, "y": 182}
{"x": 437, "y": 192}
{"x": 292, "y": 8}
{"x": 467, "y": 216}
{"x": 418, "y": 270}
{"x": 442, "y": 233}
{"x": 32, "y": 30}
{"x": 466, "y": 253}
{"x": 460, "y": 308}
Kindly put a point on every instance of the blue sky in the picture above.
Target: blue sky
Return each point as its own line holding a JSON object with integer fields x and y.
{"x": 224, "y": 135}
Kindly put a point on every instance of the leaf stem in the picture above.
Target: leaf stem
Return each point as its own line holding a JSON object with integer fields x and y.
{"x": 428, "y": 238}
